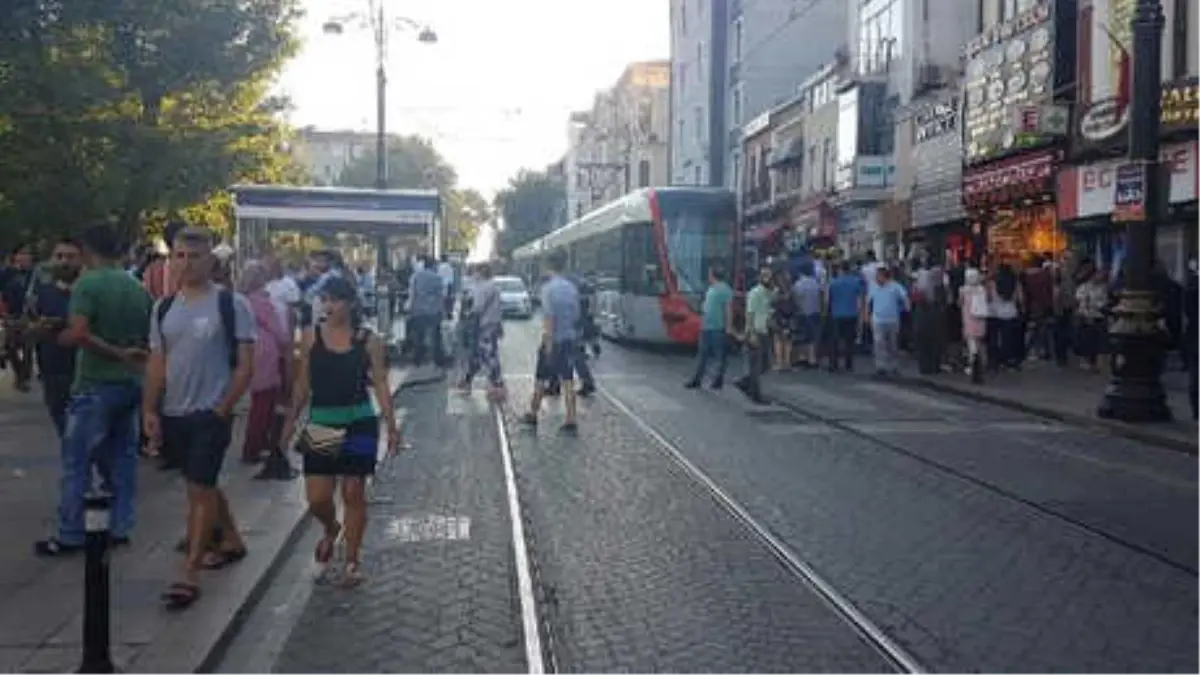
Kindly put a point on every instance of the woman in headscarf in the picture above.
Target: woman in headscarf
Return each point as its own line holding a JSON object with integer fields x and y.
{"x": 271, "y": 352}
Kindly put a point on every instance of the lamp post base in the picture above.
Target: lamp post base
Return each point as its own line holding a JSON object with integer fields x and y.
{"x": 1135, "y": 393}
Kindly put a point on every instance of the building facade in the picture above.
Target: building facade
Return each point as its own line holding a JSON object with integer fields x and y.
{"x": 621, "y": 143}
{"x": 325, "y": 154}
{"x": 773, "y": 45}
{"x": 1086, "y": 189}
{"x": 699, "y": 75}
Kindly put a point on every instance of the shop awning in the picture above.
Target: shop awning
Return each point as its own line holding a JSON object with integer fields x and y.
{"x": 789, "y": 155}
{"x": 763, "y": 232}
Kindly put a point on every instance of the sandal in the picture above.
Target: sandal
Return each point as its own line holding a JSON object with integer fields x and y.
{"x": 326, "y": 546}
{"x": 352, "y": 576}
{"x": 180, "y": 595}
{"x": 55, "y": 548}
{"x": 216, "y": 560}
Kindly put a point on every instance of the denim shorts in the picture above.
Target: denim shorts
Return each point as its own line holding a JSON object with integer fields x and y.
{"x": 559, "y": 363}
{"x": 808, "y": 329}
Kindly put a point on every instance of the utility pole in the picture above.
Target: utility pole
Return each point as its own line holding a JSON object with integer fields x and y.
{"x": 1135, "y": 393}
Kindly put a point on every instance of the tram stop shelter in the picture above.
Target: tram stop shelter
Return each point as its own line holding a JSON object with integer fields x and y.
{"x": 397, "y": 221}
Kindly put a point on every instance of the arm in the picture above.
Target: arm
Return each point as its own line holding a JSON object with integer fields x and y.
{"x": 245, "y": 328}
{"x": 383, "y": 393}
{"x": 79, "y": 330}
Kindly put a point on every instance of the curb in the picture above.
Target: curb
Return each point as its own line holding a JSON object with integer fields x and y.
{"x": 1121, "y": 429}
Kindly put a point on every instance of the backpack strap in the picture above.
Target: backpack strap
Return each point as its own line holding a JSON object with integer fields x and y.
{"x": 160, "y": 313}
{"x": 229, "y": 324}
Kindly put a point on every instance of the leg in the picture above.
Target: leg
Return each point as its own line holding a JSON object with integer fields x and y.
{"x": 567, "y": 361}
{"x": 56, "y": 394}
{"x": 258, "y": 425}
{"x": 85, "y": 431}
{"x": 892, "y": 344}
{"x": 204, "y": 452}
{"x": 702, "y": 355}
{"x": 583, "y": 370}
{"x": 718, "y": 349}
{"x": 354, "y": 497}
{"x": 319, "y": 490}
{"x": 879, "y": 346}
{"x": 123, "y": 440}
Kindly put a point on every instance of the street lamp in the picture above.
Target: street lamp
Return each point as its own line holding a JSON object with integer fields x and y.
{"x": 381, "y": 27}
{"x": 1135, "y": 393}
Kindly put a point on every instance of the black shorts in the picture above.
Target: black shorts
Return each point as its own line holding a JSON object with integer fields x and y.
{"x": 559, "y": 364}
{"x": 197, "y": 442}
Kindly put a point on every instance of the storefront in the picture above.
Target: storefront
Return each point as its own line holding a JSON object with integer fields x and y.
{"x": 1010, "y": 208}
{"x": 1086, "y": 199}
{"x": 938, "y": 227}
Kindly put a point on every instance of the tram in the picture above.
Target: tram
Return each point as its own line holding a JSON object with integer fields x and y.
{"x": 647, "y": 256}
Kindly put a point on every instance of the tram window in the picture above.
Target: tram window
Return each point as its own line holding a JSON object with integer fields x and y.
{"x": 643, "y": 274}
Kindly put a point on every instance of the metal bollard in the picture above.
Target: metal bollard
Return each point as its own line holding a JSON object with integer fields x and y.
{"x": 97, "y": 657}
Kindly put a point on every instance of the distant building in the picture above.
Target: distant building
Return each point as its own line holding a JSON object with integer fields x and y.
{"x": 699, "y": 73}
{"x": 325, "y": 154}
{"x": 622, "y": 142}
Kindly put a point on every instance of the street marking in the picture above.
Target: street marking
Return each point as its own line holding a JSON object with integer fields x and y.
{"x": 910, "y": 427}
{"x": 1017, "y": 426}
{"x": 824, "y": 399}
{"x": 836, "y": 601}
{"x": 414, "y": 529}
{"x": 910, "y": 397}
{"x": 531, "y": 626}
{"x": 797, "y": 430}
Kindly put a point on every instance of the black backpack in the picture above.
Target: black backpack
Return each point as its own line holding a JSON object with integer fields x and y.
{"x": 228, "y": 321}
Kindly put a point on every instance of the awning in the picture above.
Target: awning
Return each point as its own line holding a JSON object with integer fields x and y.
{"x": 763, "y": 232}
{"x": 791, "y": 154}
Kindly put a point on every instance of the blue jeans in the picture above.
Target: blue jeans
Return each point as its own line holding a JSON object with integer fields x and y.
{"x": 101, "y": 432}
{"x": 711, "y": 347}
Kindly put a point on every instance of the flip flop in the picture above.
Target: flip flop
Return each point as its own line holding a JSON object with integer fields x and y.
{"x": 352, "y": 576}
{"x": 216, "y": 560}
{"x": 326, "y": 546}
{"x": 180, "y": 595}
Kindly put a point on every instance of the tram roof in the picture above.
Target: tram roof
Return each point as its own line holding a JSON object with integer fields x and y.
{"x": 630, "y": 208}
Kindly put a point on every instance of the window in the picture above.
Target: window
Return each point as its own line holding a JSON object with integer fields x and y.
{"x": 738, "y": 93}
{"x": 682, "y": 88}
{"x": 696, "y": 231}
{"x": 881, "y": 32}
{"x": 644, "y": 173}
{"x": 697, "y": 175}
{"x": 683, "y": 17}
{"x": 681, "y": 135}
{"x": 738, "y": 28}
{"x": 700, "y": 56}
{"x": 643, "y": 275}
{"x": 698, "y": 121}
{"x": 813, "y": 168}
{"x": 828, "y": 164}
{"x": 736, "y": 172}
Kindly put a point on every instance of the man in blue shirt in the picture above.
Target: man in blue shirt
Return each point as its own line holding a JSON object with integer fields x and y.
{"x": 559, "y": 350}
{"x": 714, "y": 323}
{"x": 846, "y": 293}
{"x": 889, "y": 301}
{"x": 426, "y": 298}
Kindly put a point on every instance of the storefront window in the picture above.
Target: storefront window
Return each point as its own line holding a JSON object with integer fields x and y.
{"x": 1021, "y": 233}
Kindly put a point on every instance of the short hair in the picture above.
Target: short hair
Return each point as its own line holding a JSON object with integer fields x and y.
{"x": 195, "y": 236}
{"x": 172, "y": 230}
{"x": 68, "y": 241}
{"x": 557, "y": 261}
{"x": 484, "y": 270}
{"x": 717, "y": 272}
{"x": 101, "y": 240}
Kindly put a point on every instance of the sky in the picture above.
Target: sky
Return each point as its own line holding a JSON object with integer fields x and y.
{"x": 494, "y": 93}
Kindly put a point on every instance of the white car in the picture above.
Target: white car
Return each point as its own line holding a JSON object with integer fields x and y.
{"x": 515, "y": 299}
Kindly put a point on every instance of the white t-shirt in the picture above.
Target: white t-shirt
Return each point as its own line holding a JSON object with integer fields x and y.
{"x": 284, "y": 293}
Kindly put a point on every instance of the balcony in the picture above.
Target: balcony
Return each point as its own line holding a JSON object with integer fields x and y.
{"x": 756, "y": 198}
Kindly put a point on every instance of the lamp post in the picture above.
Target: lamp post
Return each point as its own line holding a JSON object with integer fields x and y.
{"x": 1135, "y": 393}
{"x": 381, "y": 27}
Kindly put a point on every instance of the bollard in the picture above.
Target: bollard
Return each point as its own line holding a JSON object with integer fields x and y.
{"x": 97, "y": 657}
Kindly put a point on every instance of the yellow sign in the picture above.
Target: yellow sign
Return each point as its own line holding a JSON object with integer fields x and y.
{"x": 1179, "y": 105}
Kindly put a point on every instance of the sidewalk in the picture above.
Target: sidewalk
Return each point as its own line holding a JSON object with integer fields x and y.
{"x": 41, "y": 616}
{"x": 1065, "y": 394}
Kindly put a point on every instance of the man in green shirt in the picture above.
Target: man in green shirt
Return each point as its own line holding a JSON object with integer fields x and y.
{"x": 716, "y": 321}
{"x": 758, "y": 322}
{"x": 108, "y": 322}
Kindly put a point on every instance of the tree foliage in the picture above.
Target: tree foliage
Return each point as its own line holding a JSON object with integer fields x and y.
{"x": 415, "y": 164}
{"x": 135, "y": 110}
{"x": 532, "y": 204}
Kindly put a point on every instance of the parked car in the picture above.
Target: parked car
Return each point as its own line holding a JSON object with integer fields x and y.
{"x": 515, "y": 299}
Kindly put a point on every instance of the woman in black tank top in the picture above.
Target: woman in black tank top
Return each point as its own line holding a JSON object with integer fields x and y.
{"x": 340, "y": 364}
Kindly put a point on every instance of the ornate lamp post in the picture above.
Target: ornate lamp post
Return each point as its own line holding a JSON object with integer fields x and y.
{"x": 381, "y": 27}
{"x": 1135, "y": 393}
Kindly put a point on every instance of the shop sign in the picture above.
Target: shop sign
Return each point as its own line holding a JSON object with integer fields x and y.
{"x": 1129, "y": 200}
{"x": 1180, "y": 103}
{"x": 1010, "y": 69}
{"x": 1103, "y": 120}
{"x": 1029, "y": 174}
{"x": 936, "y": 120}
{"x": 1092, "y": 189}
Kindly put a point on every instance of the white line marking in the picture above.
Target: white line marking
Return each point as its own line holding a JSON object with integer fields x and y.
{"x": 836, "y": 600}
{"x": 529, "y": 617}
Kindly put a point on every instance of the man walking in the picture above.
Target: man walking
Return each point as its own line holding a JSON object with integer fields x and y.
{"x": 55, "y": 355}
{"x": 758, "y": 322}
{"x": 201, "y": 356}
{"x": 109, "y": 315}
{"x": 13, "y": 292}
{"x": 889, "y": 302}
{"x": 845, "y": 300}
{"x": 716, "y": 320}
{"x": 559, "y": 349}
{"x": 426, "y": 309}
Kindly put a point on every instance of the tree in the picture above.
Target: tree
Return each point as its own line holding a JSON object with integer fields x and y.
{"x": 415, "y": 164}
{"x": 131, "y": 110}
{"x": 531, "y": 205}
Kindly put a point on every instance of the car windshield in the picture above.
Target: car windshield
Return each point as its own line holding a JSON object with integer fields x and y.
{"x": 510, "y": 285}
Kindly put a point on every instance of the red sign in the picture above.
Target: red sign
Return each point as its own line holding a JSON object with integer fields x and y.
{"x": 1003, "y": 182}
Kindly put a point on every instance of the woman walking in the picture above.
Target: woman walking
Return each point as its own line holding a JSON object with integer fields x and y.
{"x": 341, "y": 364}
{"x": 481, "y": 321}
{"x": 271, "y": 360}
{"x": 975, "y": 309}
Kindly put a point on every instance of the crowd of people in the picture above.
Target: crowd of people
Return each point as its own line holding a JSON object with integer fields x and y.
{"x": 153, "y": 353}
{"x": 953, "y": 319}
